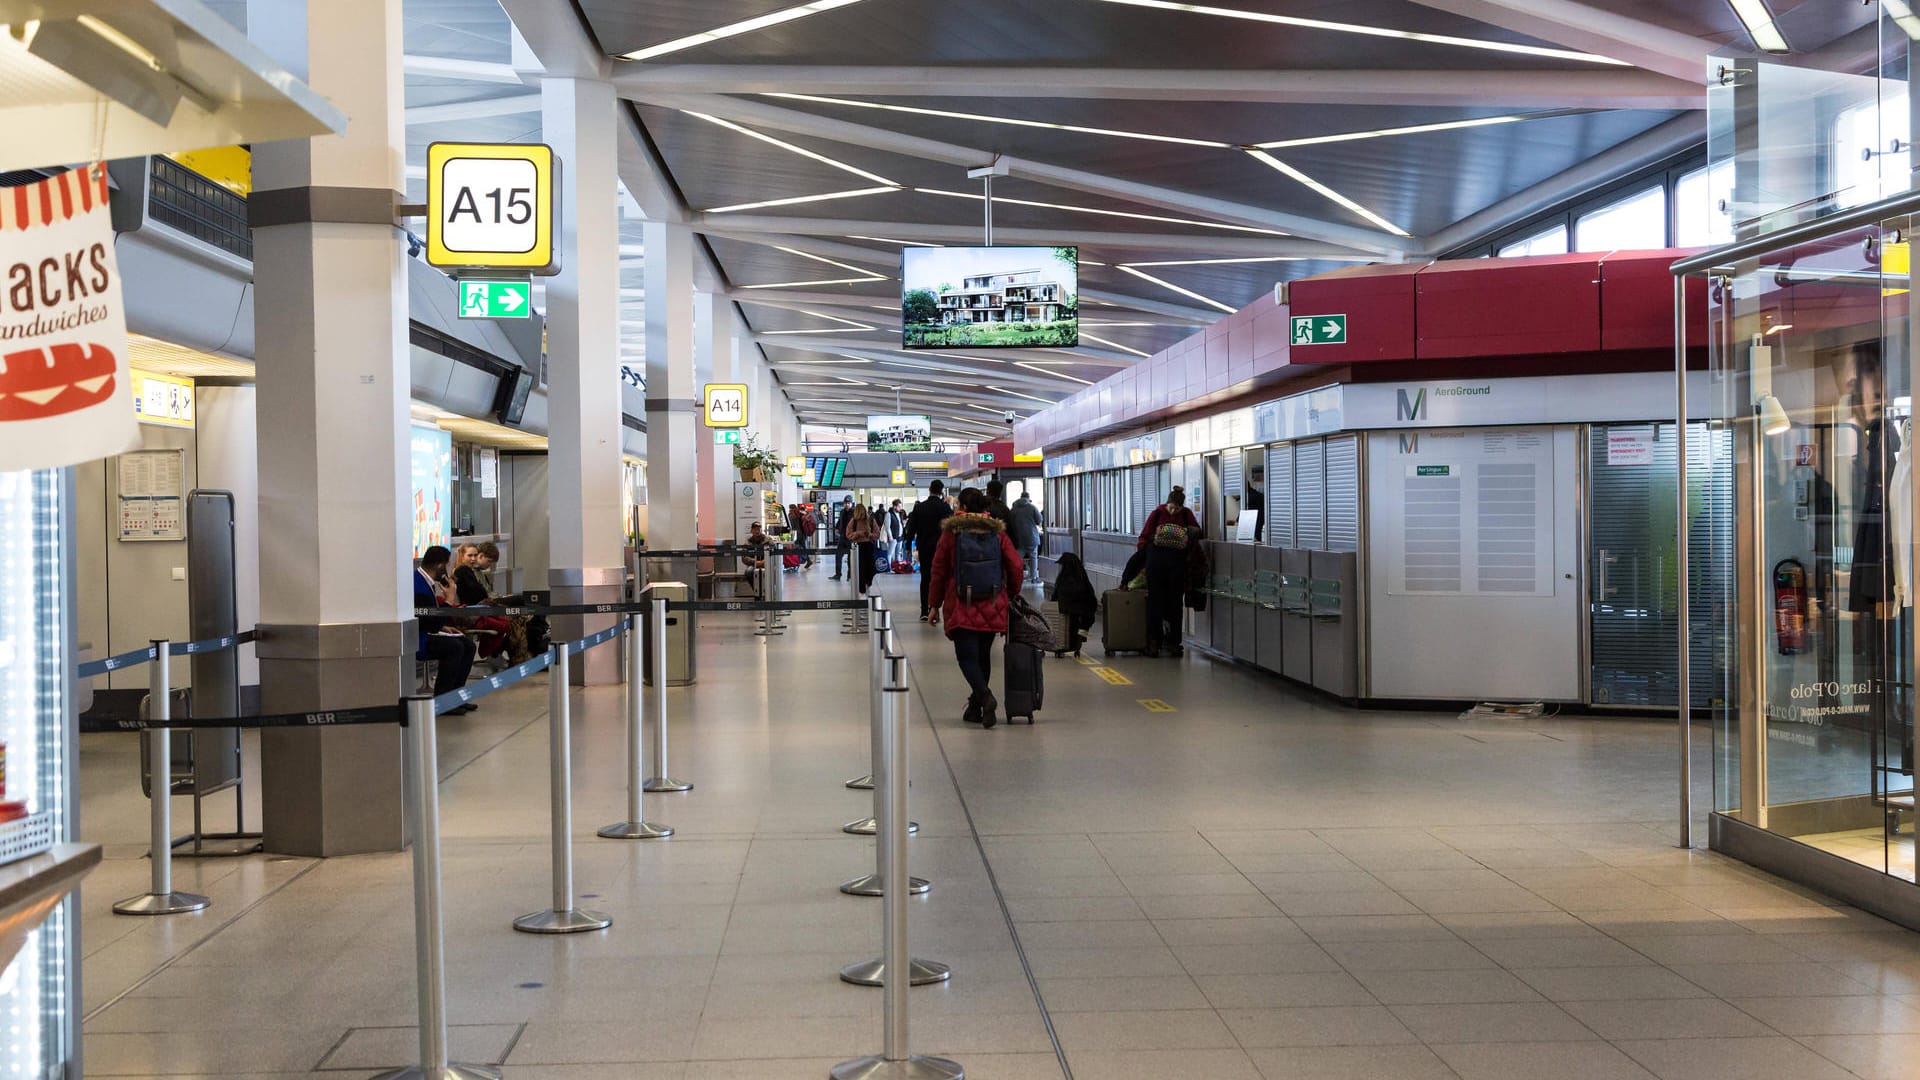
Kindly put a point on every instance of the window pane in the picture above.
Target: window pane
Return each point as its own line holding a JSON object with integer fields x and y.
{"x": 1551, "y": 242}
{"x": 1869, "y": 129}
{"x": 1697, "y": 198}
{"x": 1637, "y": 221}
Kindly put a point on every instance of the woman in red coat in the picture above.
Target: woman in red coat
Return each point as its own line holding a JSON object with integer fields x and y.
{"x": 1170, "y": 531}
{"x": 972, "y": 588}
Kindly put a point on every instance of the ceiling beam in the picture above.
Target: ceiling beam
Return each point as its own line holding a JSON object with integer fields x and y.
{"x": 822, "y": 343}
{"x": 1601, "y": 89}
{"x": 444, "y": 67}
{"x": 1169, "y": 313}
{"x": 1574, "y": 25}
{"x": 479, "y": 109}
{"x": 1225, "y": 211}
{"x": 1646, "y": 148}
{"x": 1223, "y": 245}
{"x": 929, "y": 364}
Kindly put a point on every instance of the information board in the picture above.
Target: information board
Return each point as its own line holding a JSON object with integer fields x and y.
{"x": 152, "y": 491}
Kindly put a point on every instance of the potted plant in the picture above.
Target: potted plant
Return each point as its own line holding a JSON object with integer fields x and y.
{"x": 754, "y": 461}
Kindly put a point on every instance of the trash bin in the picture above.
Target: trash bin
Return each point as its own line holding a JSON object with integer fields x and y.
{"x": 679, "y": 635}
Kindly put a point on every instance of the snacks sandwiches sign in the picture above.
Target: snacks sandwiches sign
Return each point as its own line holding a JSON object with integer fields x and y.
{"x": 64, "y": 388}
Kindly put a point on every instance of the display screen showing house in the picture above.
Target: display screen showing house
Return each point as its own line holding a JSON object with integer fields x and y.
{"x": 990, "y": 297}
{"x": 890, "y": 434}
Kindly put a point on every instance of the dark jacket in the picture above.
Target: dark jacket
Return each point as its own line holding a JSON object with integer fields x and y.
{"x": 1023, "y": 525}
{"x": 424, "y": 597}
{"x": 998, "y": 510}
{"x": 989, "y": 614}
{"x": 1073, "y": 591}
{"x": 468, "y": 587}
{"x": 923, "y": 524}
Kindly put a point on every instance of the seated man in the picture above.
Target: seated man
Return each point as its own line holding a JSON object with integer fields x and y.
{"x": 439, "y": 642}
{"x": 754, "y": 562}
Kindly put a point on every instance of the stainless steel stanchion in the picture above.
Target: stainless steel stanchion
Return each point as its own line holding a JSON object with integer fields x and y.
{"x": 429, "y": 948}
{"x": 663, "y": 781}
{"x": 160, "y": 899}
{"x": 882, "y": 645}
{"x": 892, "y": 774}
{"x": 636, "y": 826}
{"x": 776, "y": 569}
{"x": 856, "y": 620}
{"x": 562, "y": 917}
{"x": 876, "y": 673}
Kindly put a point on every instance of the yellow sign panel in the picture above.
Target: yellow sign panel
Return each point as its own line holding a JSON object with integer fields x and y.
{"x": 726, "y": 405}
{"x": 229, "y": 166}
{"x": 1028, "y": 459}
{"x": 899, "y": 477}
{"x": 1113, "y": 677}
{"x": 1154, "y": 704}
{"x": 490, "y": 205}
{"x": 796, "y": 466}
{"x": 162, "y": 399}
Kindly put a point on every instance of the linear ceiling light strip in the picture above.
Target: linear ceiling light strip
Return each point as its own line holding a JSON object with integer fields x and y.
{"x": 986, "y": 118}
{"x": 1415, "y": 129}
{"x": 1188, "y": 293}
{"x": 791, "y": 148}
{"x": 1112, "y": 344}
{"x": 1302, "y": 178}
{"x": 976, "y": 196}
{"x": 745, "y": 26}
{"x": 798, "y": 199}
{"x": 1379, "y": 31}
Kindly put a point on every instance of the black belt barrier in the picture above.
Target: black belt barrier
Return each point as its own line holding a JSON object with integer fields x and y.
{"x": 373, "y": 714}
{"x": 184, "y": 648}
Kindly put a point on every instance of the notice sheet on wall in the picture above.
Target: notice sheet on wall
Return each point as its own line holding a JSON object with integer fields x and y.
{"x": 152, "y": 494}
{"x": 1476, "y": 515}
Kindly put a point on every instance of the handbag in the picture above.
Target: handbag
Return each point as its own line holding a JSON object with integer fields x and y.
{"x": 1171, "y": 536}
{"x": 1027, "y": 625}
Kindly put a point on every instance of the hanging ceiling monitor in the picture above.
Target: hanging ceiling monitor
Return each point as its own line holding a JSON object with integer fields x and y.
{"x": 510, "y": 400}
{"x": 889, "y": 434}
{"x": 990, "y": 297}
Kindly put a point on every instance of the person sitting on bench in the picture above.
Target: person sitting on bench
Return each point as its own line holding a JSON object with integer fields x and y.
{"x": 450, "y": 649}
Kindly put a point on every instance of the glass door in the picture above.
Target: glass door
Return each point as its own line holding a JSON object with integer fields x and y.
{"x": 1632, "y": 586}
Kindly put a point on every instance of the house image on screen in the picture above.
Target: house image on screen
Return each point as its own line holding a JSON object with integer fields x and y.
{"x": 1017, "y": 296}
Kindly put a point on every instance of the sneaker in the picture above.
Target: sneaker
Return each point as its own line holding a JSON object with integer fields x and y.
{"x": 835, "y": 577}
{"x": 972, "y": 715}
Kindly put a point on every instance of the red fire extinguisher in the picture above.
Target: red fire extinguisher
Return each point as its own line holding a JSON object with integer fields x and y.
{"x": 1790, "y": 606}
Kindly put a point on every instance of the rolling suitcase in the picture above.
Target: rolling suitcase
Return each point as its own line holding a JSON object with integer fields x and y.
{"x": 1123, "y": 620}
{"x": 1062, "y": 643}
{"x": 1026, "y": 682}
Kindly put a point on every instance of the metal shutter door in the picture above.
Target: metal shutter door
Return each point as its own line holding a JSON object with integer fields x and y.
{"x": 1280, "y": 495}
{"x": 1343, "y": 493}
{"x": 1233, "y": 488}
{"x": 1310, "y": 495}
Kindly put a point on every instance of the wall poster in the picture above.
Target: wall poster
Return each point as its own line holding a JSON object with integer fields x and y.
{"x": 152, "y": 491}
{"x": 1477, "y": 514}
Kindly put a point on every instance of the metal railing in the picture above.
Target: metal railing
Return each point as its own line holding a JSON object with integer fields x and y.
{"x": 183, "y": 199}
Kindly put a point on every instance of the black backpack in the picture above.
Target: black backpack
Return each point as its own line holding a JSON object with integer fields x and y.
{"x": 977, "y": 572}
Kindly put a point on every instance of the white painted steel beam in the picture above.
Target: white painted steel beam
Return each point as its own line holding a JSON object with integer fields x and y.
{"x": 1574, "y": 25}
{"x": 1601, "y": 89}
{"x": 446, "y": 67}
{"x": 871, "y": 350}
{"x": 794, "y": 121}
{"x": 1221, "y": 245}
{"x": 479, "y": 109}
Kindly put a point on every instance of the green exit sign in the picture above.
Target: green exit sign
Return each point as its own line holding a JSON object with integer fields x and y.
{"x": 726, "y": 437}
{"x": 496, "y": 299}
{"x": 987, "y": 458}
{"x": 1319, "y": 329}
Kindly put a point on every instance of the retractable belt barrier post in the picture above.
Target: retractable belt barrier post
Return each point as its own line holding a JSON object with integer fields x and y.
{"x": 891, "y": 774}
{"x": 563, "y": 917}
{"x": 876, "y": 673}
{"x": 856, "y": 618}
{"x": 882, "y": 644}
{"x": 160, "y": 899}
{"x": 875, "y": 884}
{"x": 429, "y": 946}
{"x": 664, "y": 781}
{"x": 636, "y": 826}
{"x": 774, "y": 571}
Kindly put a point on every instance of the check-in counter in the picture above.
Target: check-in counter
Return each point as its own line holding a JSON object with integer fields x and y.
{"x": 1296, "y": 615}
{"x": 1245, "y": 646}
{"x": 1269, "y": 637}
{"x": 1334, "y": 600}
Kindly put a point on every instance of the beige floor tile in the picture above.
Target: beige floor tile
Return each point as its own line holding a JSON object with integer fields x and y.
{"x": 1669, "y": 1018}
{"x": 1253, "y": 959}
{"x": 1771, "y": 980}
{"x": 1350, "y": 1063}
{"x": 1464, "y": 901}
{"x": 1098, "y": 963}
{"x": 1445, "y": 987}
{"x": 1165, "y": 1030}
{"x": 1276, "y": 990}
{"x": 393, "y": 1048}
{"x": 1732, "y": 1059}
{"x": 1350, "y": 1025}
{"x": 1162, "y": 1064}
{"x": 1328, "y": 881}
{"x": 1236, "y": 906}
{"x": 1107, "y": 933}
{"x": 1886, "y": 1056}
{"x": 1407, "y": 955}
{"x": 206, "y": 1052}
{"x": 1314, "y": 905}
{"x": 1533, "y": 1061}
{"x": 1856, "y": 1015}
{"x": 1516, "y": 1022}
{"x": 1608, "y": 983}
{"x": 667, "y": 1037}
{"x": 1328, "y": 929}
{"x": 1121, "y": 994}
{"x": 1037, "y": 909}
{"x": 1561, "y": 952}
{"x": 1277, "y": 930}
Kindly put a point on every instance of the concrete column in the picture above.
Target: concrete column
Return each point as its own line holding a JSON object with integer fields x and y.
{"x": 583, "y": 366}
{"x": 330, "y": 312}
{"x": 671, "y": 408}
{"x": 711, "y": 502}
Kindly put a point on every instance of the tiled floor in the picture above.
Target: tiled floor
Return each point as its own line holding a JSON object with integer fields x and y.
{"x": 1256, "y": 885}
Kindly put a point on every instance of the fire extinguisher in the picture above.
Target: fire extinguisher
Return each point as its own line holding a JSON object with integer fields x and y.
{"x": 1790, "y": 606}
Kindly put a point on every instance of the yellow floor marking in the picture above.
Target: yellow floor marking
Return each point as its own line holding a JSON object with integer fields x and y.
{"x": 1087, "y": 661}
{"x": 1154, "y": 704}
{"x": 1113, "y": 677}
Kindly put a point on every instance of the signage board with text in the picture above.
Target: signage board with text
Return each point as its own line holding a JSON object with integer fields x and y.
{"x": 726, "y": 405}
{"x": 490, "y": 205}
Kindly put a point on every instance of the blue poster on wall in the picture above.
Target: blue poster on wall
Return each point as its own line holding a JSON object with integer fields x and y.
{"x": 432, "y": 487}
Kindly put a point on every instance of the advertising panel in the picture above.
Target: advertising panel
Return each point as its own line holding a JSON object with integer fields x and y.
{"x": 432, "y": 469}
{"x": 990, "y": 297}
{"x": 899, "y": 434}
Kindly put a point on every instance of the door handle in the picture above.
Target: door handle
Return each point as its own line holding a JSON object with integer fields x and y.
{"x": 1604, "y": 590}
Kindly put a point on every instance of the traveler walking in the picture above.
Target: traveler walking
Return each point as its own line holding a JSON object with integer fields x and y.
{"x": 975, "y": 569}
{"x": 862, "y": 532}
{"x": 1023, "y": 527}
{"x": 1170, "y": 530}
{"x": 923, "y": 526}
